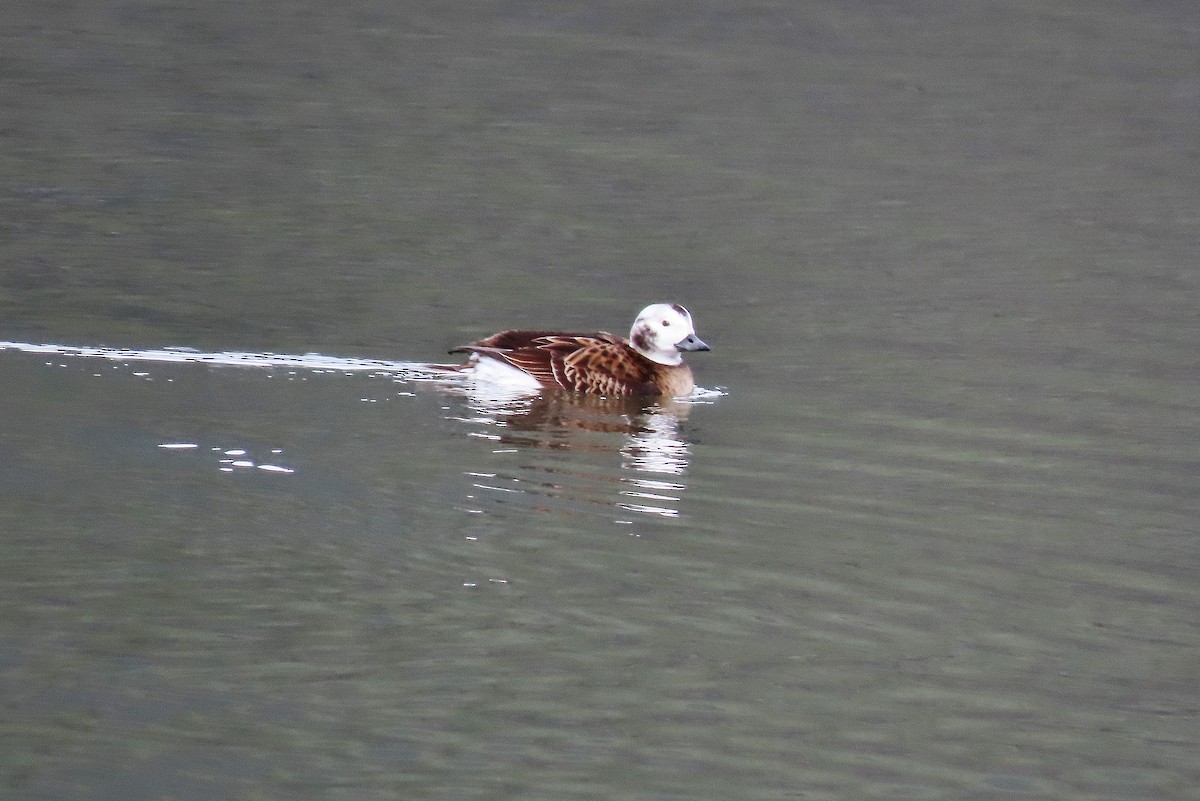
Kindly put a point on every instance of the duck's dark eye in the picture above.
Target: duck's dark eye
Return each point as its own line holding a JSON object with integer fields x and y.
{"x": 666, "y": 323}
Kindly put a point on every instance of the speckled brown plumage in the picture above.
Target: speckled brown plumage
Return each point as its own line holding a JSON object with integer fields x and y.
{"x": 599, "y": 363}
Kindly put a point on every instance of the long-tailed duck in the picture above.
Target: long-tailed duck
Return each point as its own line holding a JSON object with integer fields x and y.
{"x": 600, "y": 363}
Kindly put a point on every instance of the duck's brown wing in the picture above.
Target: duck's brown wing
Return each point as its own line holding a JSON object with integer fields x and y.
{"x": 606, "y": 368}
{"x": 599, "y": 363}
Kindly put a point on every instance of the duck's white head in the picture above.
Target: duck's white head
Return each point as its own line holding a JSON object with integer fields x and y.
{"x": 662, "y": 331}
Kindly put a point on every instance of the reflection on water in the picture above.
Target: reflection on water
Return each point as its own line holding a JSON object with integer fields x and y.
{"x": 643, "y": 440}
{"x": 230, "y": 460}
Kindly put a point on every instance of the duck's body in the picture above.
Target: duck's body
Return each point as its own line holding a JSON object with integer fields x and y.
{"x": 600, "y": 363}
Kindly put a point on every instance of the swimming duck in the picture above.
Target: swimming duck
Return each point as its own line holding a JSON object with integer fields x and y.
{"x": 650, "y": 362}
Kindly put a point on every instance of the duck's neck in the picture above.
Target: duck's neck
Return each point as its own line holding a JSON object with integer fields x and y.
{"x": 676, "y": 380}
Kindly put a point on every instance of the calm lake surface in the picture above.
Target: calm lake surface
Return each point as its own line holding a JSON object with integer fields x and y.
{"x": 930, "y": 532}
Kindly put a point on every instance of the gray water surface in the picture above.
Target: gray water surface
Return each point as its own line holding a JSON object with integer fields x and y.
{"x": 931, "y": 532}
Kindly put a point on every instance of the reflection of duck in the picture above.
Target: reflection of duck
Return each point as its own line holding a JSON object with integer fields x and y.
{"x": 649, "y": 363}
{"x": 645, "y": 434}
{"x": 553, "y": 417}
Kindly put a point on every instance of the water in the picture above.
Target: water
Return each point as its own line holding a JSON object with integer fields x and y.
{"x": 930, "y": 532}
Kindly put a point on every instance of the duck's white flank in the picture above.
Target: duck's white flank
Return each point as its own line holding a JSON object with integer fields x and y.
{"x": 494, "y": 371}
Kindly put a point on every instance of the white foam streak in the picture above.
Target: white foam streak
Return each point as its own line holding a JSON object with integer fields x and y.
{"x": 307, "y": 361}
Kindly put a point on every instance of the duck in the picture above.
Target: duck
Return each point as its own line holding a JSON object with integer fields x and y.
{"x": 648, "y": 363}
